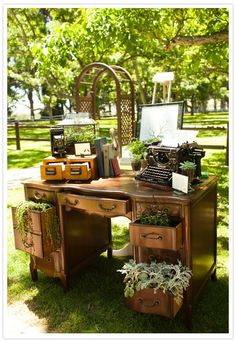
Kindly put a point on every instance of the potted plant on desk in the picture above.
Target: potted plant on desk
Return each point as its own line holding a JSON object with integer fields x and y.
{"x": 137, "y": 151}
{"x": 188, "y": 168}
{"x": 155, "y": 288}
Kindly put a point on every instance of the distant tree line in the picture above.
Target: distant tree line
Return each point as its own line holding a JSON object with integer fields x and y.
{"x": 48, "y": 47}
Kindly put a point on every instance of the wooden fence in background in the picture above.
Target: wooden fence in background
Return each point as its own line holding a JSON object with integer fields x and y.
{"x": 16, "y": 126}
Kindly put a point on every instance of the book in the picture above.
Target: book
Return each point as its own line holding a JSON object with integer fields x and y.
{"x": 116, "y": 166}
{"x": 99, "y": 142}
{"x": 108, "y": 154}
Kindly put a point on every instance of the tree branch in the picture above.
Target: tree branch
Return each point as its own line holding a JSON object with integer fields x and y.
{"x": 216, "y": 37}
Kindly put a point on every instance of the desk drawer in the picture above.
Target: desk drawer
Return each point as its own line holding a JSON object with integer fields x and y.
{"x": 174, "y": 210}
{"x": 160, "y": 237}
{"x": 38, "y": 194}
{"x": 30, "y": 242}
{"x": 103, "y": 206}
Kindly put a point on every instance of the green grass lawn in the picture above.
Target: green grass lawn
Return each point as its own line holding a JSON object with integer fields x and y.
{"x": 96, "y": 304}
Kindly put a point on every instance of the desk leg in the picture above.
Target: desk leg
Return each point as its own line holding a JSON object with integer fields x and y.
{"x": 213, "y": 276}
{"x": 109, "y": 249}
{"x": 33, "y": 269}
{"x": 188, "y": 310}
{"x": 65, "y": 282}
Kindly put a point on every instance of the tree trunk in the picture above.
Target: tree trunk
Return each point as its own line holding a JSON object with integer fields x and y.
{"x": 136, "y": 70}
{"x": 30, "y": 97}
{"x": 192, "y": 105}
{"x": 49, "y": 109}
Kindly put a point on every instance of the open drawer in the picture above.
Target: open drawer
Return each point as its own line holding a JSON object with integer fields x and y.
{"x": 34, "y": 237}
{"x": 160, "y": 237}
{"x": 103, "y": 206}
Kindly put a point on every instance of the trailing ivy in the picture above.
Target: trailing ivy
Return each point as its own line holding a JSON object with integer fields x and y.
{"x": 165, "y": 277}
{"x": 24, "y": 219}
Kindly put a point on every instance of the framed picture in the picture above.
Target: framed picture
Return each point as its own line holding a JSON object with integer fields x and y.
{"x": 82, "y": 148}
{"x": 159, "y": 119}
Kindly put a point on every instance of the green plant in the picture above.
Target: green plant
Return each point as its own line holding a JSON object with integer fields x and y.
{"x": 153, "y": 216}
{"x": 23, "y": 216}
{"x": 137, "y": 149}
{"x": 81, "y": 134}
{"x": 165, "y": 277}
{"x": 187, "y": 165}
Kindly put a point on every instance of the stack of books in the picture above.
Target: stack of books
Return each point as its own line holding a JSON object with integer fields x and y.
{"x": 107, "y": 162}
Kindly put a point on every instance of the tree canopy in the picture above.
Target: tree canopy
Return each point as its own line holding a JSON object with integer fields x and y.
{"x": 48, "y": 47}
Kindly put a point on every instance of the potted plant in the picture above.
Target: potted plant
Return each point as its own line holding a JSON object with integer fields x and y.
{"x": 188, "y": 168}
{"x": 76, "y": 135}
{"x": 137, "y": 150}
{"x": 155, "y": 228}
{"x": 36, "y": 227}
{"x": 155, "y": 288}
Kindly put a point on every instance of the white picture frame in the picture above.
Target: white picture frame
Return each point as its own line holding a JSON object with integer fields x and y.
{"x": 82, "y": 148}
{"x": 160, "y": 119}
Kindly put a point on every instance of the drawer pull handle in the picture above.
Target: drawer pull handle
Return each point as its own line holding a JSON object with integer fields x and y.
{"x": 107, "y": 209}
{"x": 151, "y": 236}
{"x": 26, "y": 244}
{"x": 39, "y": 196}
{"x": 68, "y": 202}
{"x": 141, "y": 301}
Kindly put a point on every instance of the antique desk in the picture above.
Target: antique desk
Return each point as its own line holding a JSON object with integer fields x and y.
{"x": 85, "y": 211}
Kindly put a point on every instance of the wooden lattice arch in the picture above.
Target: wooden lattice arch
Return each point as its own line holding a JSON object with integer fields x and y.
{"x": 89, "y": 76}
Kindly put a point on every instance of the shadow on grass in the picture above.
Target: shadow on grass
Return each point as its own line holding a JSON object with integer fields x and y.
{"x": 216, "y": 165}
{"x": 95, "y": 304}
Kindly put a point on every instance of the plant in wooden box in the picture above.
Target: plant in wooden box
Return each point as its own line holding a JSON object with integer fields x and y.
{"x": 137, "y": 150}
{"x": 76, "y": 135}
{"x": 155, "y": 288}
{"x": 36, "y": 227}
{"x": 155, "y": 228}
{"x": 188, "y": 168}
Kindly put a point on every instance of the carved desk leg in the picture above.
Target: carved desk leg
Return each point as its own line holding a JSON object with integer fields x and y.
{"x": 109, "y": 249}
{"x": 65, "y": 282}
{"x": 33, "y": 269}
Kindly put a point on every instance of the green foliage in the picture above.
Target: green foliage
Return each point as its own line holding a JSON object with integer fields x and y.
{"x": 187, "y": 165}
{"x": 83, "y": 134}
{"x": 154, "y": 216}
{"x": 24, "y": 219}
{"x": 137, "y": 149}
{"x": 165, "y": 277}
{"x": 47, "y": 48}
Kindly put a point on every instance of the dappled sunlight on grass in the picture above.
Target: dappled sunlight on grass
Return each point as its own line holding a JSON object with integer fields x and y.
{"x": 31, "y": 154}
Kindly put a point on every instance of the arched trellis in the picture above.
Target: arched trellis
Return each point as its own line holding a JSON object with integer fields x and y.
{"x": 89, "y": 76}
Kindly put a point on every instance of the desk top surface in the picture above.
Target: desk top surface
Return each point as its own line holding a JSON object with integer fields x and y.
{"x": 121, "y": 187}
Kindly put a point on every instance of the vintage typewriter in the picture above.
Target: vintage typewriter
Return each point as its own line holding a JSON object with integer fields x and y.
{"x": 163, "y": 160}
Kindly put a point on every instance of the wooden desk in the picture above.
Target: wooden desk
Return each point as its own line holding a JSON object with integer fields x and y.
{"x": 85, "y": 211}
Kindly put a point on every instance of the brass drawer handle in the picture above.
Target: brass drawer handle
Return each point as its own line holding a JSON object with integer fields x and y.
{"x": 107, "y": 209}
{"x": 26, "y": 244}
{"x": 68, "y": 202}
{"x": 39, "y": 196}
{"x": 141, "y": 301}
{"x": 151, "y": 236}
